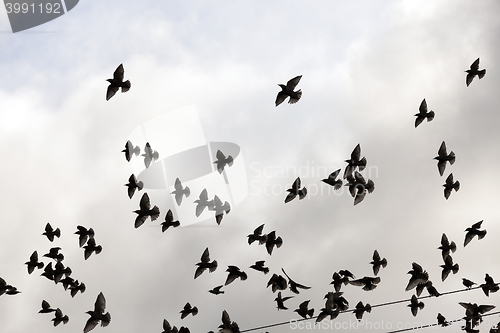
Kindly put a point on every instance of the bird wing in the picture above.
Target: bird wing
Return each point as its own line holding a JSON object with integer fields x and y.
{"x": 423, "y": 106}
{"x": 205, "y": 257}
{"x": 90, "y": 325}
{"x": 447, "y": 192}
{"x": 111, "y": 91}
{"x": 100, "y": 303}
{"x": 178, "y": 185}
{"x": 477, "y": 225}
{"x": 475, "y": 65}
{"x": 469, "y": 78}
{"x": 118, "y": 74}
{"x": 449, "y": 179}
{"x": 34, "y": 256}
{"x": 468, "y": 237}
{"x": 296, "y": 185}
{"x": 204, "y": 195}
{"x": 441, "y": 167}
{"x": 442, "y": 150}
{"x": 145, "y": 204}
{"x": 290, "y": 197}
{"x": 356, "y": 153}
{"x": 444, "y": 241}
{"x": 280, "y": 98}
{"x": 220, "y": 156}
{"x": 359, "y": 197}
{"x": 292, "y": 83}
{"x": 419, "y": 120}
{"x": 258, "y": 230}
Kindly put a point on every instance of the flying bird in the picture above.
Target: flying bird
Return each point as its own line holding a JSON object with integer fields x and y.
{"x": 304, "y": 310}
{"x": 117, "y": 82}
{"x": 338, "y": 281}
{"x": 377, "y": 262}
{"x": 132, "y": 185}
{"x": 489, "y": 285}
{"x": 296, "y": 190}
{"x": 442, "y": 320}
{"x": 205, "y": 263}
{"x": 446, "y": 246}
{"x": 287, "y": 91}
{"x": 418, "y": 276}
{"x": 130, "y": 150}
{"x": 448, "y": 267}
{"x": 361, "y": 309}
{"x": 46, "y": 307}
{"x": 50, "y": 233}
{"x": 97, "y": 315}
{"x": 294, "y": 285}
{"x": 188, "y": 309}
{"x": 333, "y": 181}
{"x": 84, "y": 234}
{"x": 272, "y": 240}
{"x": 180, "y": 191}
{"x": 467, "y": 283}
{"x": 415, "y": 305}
{"x": 59, "y": 317}
{"x": 219, "y": 209}
{"x": 423, "y": 114}
{"x": 228, "y": 326}
{"x": 234, "y": 272}
{"x": 169, "y": 222}
{"x": 358, "y": 186}
{"x": 145, "y": 211}
{"x": 450, "y": 185}
{"x": 277, "y": 282}
{"x": 33, "y": 263}
{"x": 216, "y": 290}
{"x": 59, "y": 271}
{"x": 336, "y": 301}
{"x": 368, "y": 283}
{"x": 444, "y": 157}
{"x": 48, "y": 272}
{"x": 474, "y": 312}
{"x": 355, "y": 161}
{"x": 90, "y": 248}
{"x": 257, "y": 236}
{"x": 280, "y": 301}
{"x": 222, "y": 161}
{"x": 167, "y": 328}
{"x": 474, "y": 231}
{"x": 150, "y": 155}
{"x": 54, "y": 254}
{"x": 203, "y": 202}
{"x": 77, "y": 287}
{"x": 473, "y": 71}
{"x": 259, "y": 266}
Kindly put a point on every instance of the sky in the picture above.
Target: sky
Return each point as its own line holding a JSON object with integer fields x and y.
{"x": 365, "y": 65}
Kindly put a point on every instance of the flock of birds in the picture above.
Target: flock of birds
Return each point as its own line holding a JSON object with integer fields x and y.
{"x": 335, "y": 301}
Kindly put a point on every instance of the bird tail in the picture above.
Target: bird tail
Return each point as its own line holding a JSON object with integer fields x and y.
{"x": 279, "y": 241}
{"x": 126, "y": 86}
{"x": 106, "y": 320}
{"x": 98, "y": 249}
{"x": 302, "y": 193}
{"x": 456, "y": 186}
{"x": 187, "y": 191}
{"x": 455, "y": 269}
{"x": 384, "y": 262}
{"x": 368, "y": 308}
{"x": 156, "y": 213}
{"x": 57, "y": 233}
{"x": 243, "y": 276}
{"x": 310, "y": 312}
{"x": 453, "y": 247}
{"x": 137, "y": 150}
{"x": 362, "y": 164}
{"x": 481, "y": 234}
{"x": 452, "y": 157}
{"x": 482, "y": 73}
{"x": 213, "y": 267}
{"x": 230, "y": 160}
{"x": 265, "y": 270}
{"x": 140, "y": 185}
{"x": 430, "y": 116}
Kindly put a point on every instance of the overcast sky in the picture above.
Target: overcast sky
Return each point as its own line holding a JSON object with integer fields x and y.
{"x": 365, "y": 66}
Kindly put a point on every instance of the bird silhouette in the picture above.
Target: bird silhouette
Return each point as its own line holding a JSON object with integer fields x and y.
{"x": 259, "y": 266}
{"x": 304, "y": 310}
{"x": 145, "y": 211}
{"x": 257, "y": 236}
{"x": 325, "y": 312}
{"x": 474, "y": 312}
{"x": 90, "y": 248}
{"x": 167, "y": 328}
{"x": 450, "y": 185}
{"x": 473, "y": 71}
{"x": 187, "y": 310}
{"x": 60, "y": 270}
{"x": 130, "y": 150}
{"x": 448, "y": 267}
{"x": 48, "y": 272}
{"x": 98, "y": 314}
{"x": 84, "y": 234}
{"x": 228, "y": 326}
{"x": 338, "y": 281}
{"x": 489, "y": 285}
{"x": 132, "y": 185}
{"x": 117, "y": 82}
{"x": 333, "y": 181}
{"x": 467, "y": 283}
{"x": 59, "y": 317}
{"x": 234, "y": 273}
{"x": 46, "y": 307}
{"x": 346, "y": 273}
{"x": 359, "y": 187}
{"x": 368, "y": 283}
{"x": 431, "y": 289}
{"x": 418, "y": 276}
{"x": 361, "y": 309}
{"x": 150, "y": 155}
{"x": 54, "y": 254}
{"x": 474, "y": 231}
{"x": 277, "y": 282}
{"x": 180, "y": 191}
{"x": 203, "y": 202}
{"x": 169, "y": 222}
{"x": 219, "y": 208}
{"x": 222, "y": 161}
{"x": 205, "y": 263}
{"x": 287, "y": 91}
{"x": 7, "y": 288}
{"x": 216, "y": 290}
{"x": 444, "y": 157}
{"x": 50, "y": 233}
{"x": 294, "y": 285}
{"x": 296, "y": 190}
{"x": 280, "y": 301}
{"x": 77, "y": 287}
{"x": 336, "y": 301}
{"x": 415, "y": 305}
{"x": 446, "y": 246}
{"x": 67, "y": 282}
{"x": 377, "y": 262}
{"x": 33, "y": 263}
{"x": 423, "y": 114}
{"x": 272, "y": 241}
{"x": 442, "y": 320}
{"x": 355, "y": 162}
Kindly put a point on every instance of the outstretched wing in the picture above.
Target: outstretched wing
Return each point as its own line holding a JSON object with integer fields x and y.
{"x": 291, "y": 84}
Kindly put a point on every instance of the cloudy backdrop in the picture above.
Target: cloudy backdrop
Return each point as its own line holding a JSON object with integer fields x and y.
{"x": 366, "y": 67}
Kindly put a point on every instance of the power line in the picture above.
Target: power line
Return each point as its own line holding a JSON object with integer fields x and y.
{"x": 373, "y": 306}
